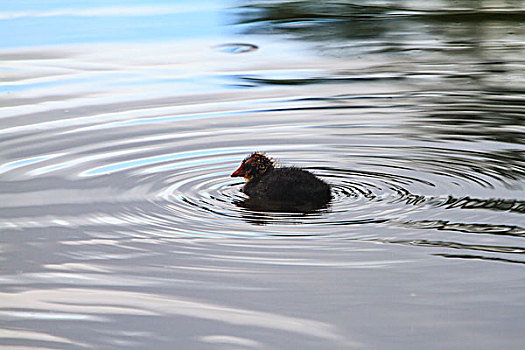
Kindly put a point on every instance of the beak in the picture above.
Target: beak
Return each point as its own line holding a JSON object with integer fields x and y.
{"x": 239, "y": 172}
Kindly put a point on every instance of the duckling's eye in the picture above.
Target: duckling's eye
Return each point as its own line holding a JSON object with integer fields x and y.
{"x": 261, "y": 166}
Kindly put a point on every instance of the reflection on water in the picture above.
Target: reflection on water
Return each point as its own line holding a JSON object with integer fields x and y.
{"x": 121, "y": 227}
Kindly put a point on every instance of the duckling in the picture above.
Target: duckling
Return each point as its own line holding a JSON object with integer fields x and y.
{"x": 281, "y": 184}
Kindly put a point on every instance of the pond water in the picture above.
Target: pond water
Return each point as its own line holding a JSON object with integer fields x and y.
{"x": 121, "y": 123}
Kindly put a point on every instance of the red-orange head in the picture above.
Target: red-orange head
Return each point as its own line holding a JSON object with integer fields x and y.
{"x": 253, "y": 166}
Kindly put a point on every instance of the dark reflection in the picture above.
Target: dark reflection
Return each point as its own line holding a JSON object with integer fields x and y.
{"x": 488, "y": 114}
{"x": 385, "y": 27}
{"x": 496, "y": 204}
{"x": 472, "y": 228}
{"x": 480, "y": 257}
{"x": 467, "y": 52}
{"x": 493, "y": 249}
{"x": 316, "y": 80}
{"x": 260, "y": 212}
{"x": 280, "y": 206}
{"x": 444, "y": 225}
{"x": 264, "y": 212}
{"x": 236, "y": 47}
{"x": 491, "y": 204}
{"x": 461, "y": 246}
{"x": 314, "y": 20}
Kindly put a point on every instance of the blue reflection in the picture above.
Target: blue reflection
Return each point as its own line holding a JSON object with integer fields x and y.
{"x": 36, "y": 23}
{"x": 23, "y": 162}
{"x": 134, "y": 163}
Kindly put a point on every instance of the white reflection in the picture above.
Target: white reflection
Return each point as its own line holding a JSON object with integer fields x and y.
{"x": 107, "y": 302}
{"x": 25, "y": 335}
{"x": 228, "y": 339}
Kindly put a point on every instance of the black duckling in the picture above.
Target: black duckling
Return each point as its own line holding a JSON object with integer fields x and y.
{"x": 283, "y": 187}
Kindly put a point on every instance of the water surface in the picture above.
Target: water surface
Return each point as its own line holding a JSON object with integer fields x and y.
{"x": 121, "y": 123}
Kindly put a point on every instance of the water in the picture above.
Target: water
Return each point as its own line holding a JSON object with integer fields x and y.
{"x": 121, "y": 123}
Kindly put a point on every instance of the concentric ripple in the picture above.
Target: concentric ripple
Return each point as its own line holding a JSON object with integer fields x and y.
{"x": 160, "y": 165}
{"x": 158, "y": 190}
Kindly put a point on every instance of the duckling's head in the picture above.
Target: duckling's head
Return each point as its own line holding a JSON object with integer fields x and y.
{"x": 254, "y": 166}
